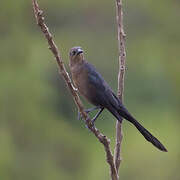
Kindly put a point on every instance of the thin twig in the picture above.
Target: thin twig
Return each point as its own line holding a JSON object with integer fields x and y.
{"x": 122, "y": 59}
{"x": 52, "y": 46}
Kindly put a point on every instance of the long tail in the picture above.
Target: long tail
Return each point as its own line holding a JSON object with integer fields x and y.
{"x": 122, "y": 111}
{"x": 148, "y": 136}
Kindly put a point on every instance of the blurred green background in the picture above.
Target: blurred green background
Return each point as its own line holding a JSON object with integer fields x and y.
{"x": 40, "y": 136}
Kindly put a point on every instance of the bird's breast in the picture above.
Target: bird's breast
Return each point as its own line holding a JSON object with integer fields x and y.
{"x": 81, "y": 81}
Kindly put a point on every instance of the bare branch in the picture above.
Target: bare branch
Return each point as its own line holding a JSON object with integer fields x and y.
{"x": 52, "y": 46}
{"x": 122, "y": 59}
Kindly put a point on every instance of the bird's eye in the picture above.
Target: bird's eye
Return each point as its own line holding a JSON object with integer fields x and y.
{"x": 74, "y": 52}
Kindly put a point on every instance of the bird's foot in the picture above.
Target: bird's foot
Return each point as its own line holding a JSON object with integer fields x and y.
{"x": 87, "y": 127}
{"x": 90, "y": 125}
{"x": 93, "y": 122}
{"x": 79, "y": 116}
{"x": 87, "y": 111}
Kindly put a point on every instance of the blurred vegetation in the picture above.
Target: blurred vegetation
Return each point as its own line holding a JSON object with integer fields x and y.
{"x": 40, "y": 137}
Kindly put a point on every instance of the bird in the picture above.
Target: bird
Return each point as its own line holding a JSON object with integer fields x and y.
{"x": 92, "y": 86}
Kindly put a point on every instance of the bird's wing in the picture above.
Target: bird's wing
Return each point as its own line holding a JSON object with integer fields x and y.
{"x": 95, "y": 78}
{"x": 104, "y": 93}
{"x": 112, "y": 99}
{"x": 96, "y": 85}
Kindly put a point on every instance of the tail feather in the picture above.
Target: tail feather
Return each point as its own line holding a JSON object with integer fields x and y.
{"x": 148, "y": 136}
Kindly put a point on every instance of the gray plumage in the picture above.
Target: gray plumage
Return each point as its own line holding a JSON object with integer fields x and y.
{"x": 95, "y": 89}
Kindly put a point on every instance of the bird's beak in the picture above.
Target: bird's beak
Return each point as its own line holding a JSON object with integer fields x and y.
{"x": 79, "y": 51}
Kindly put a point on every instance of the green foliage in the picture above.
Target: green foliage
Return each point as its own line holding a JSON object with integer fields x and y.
{"x": 40, "y": 137}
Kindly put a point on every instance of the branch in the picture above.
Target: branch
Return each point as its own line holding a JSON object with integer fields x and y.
{"x": 62, "y": 70}
{"x": 122, "y": 59}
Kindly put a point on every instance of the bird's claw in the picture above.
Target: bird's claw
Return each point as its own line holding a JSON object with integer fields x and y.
{"x": 87, "y": 127}
{"x": 79, "y": 116}
{"x": 92, "y": 125}
{"x": 87, "y": 111}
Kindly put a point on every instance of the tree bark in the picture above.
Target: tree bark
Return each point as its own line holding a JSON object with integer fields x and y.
{"x": 122, "y": 60}
{"x": 62, "y": 70}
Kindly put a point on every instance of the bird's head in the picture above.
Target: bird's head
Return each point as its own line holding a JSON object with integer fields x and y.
{"x": 76, "y": 55}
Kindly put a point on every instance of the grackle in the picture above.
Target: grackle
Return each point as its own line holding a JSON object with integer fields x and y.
{"x": 95, "y": 89}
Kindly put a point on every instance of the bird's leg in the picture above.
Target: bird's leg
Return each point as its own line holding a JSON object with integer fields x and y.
{"x": 88, "y": 111}
{"x": 97, "y": 115}
{"x": 92, "y": 109}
